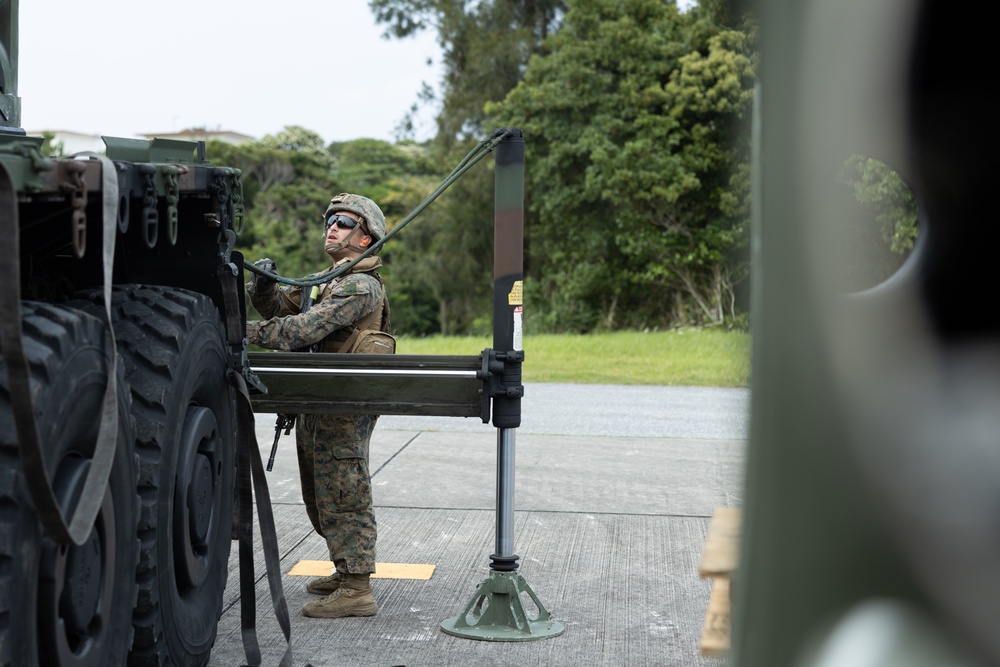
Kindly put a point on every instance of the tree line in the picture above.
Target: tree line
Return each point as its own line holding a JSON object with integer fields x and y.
{"x": 638, "y": 180}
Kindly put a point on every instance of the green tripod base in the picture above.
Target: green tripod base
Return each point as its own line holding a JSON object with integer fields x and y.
{"x": 496, "y": 613}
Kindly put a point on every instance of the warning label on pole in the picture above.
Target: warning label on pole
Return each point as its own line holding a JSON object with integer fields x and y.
{"x": 516, "y": 296}
{"x": 517, "y": 327}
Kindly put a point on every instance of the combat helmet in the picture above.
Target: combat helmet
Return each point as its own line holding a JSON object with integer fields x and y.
{"x": 363, "y": 207}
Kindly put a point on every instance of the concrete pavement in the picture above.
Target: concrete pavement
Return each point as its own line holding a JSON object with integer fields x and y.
{"x": 609, "y": 528}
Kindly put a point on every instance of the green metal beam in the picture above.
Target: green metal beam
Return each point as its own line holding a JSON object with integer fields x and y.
{"x": 397, "y": 384}
{"x": 151, "y": 150}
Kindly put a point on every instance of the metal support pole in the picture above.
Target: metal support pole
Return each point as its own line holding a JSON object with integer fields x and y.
{"x": 508, "y": 305}
{"x": 505, "y": 494}
{"x": 496, "y": 611}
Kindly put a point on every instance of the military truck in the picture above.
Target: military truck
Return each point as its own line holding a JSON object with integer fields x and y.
{"x": 125, "y": 428}
{"x": 116, "y": 505}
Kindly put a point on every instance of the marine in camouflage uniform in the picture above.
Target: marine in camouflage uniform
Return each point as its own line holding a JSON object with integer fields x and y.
{"x": 333, "y": 449}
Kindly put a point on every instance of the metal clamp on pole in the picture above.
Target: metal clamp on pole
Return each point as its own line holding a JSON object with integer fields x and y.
{"x": 501, "y": 378}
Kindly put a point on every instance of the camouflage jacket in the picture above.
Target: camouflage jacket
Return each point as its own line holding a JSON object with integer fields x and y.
{"x": 341, "y": 304}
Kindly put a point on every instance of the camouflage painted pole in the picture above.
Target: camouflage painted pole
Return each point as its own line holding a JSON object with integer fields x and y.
{"x": 497, "y": 611}
{"x": 508, "y": 263}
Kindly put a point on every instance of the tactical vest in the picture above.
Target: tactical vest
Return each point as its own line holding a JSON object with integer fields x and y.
{"x": 377, "y": 320}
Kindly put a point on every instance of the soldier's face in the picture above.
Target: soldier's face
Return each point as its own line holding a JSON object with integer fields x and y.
{"x": 335, "y": 234}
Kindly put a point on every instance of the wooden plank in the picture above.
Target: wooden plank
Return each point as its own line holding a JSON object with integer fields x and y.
{"x": 719, "y": 560}
{"x": 715, "y": 633}
{"x": 721, "y": 554}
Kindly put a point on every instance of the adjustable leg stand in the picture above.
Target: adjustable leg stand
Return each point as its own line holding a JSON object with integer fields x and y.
{"x": 497, "y": 611}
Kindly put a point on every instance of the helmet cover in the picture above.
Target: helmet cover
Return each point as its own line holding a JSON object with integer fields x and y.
{"x": 364, "y": 208}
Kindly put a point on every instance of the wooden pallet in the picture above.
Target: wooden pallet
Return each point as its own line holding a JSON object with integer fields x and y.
{"x": 719, "y": 561}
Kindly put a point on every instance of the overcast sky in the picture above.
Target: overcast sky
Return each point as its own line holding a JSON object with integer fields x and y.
{"x": 127, "y": 67}
{"x": 123, "y": 67}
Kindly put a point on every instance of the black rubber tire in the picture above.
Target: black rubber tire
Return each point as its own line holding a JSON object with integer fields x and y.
{"x": 173, "y": 346}
{"x": 66, "y": 606}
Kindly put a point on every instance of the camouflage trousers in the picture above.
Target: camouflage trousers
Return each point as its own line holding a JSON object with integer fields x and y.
{"x": 336, "y": 486}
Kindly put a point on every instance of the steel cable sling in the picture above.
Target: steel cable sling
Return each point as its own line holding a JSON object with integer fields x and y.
{"x": 482, "y": 149}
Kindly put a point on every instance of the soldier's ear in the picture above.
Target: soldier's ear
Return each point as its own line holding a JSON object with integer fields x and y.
{"x": 365, "y": 240}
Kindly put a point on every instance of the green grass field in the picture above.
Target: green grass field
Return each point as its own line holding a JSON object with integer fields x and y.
{"x": 703, "y": 358}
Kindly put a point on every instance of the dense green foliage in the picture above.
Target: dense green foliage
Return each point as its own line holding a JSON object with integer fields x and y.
{"x": 636, "y": 124}
{"x": 638, "y": 148}
{"x": 485, "y": 47}
{"x": 635, "y": 118}
{"x": 287, "y": 182}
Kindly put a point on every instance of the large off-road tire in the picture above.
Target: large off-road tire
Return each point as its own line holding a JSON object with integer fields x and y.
{"x": 66, "y": 606}
{"x": 173, "y": 346}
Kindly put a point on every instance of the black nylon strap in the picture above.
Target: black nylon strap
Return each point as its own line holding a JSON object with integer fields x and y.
{"x": 249, "y": 465}
{"x": 269, "y": 539}
{"x": 244, "y": 497}
{"x": 230, "y": 299}
{"x": 32, "y": 458}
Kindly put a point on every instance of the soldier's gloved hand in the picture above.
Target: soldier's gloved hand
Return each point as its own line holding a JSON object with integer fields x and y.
{"x": 266, "y": 264}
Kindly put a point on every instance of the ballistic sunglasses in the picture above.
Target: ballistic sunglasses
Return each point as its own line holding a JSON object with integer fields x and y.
{"x": 341, "y": 221}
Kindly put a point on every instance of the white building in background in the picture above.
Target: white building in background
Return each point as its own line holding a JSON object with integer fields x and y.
{"x": 72, "y": 142}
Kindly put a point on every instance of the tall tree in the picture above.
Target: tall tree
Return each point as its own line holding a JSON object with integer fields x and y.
{"x": 638, "y": 147}
{"x": 485, "y": 46}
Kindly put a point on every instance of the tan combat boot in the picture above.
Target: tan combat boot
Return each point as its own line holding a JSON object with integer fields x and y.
{"x": 353, "y": 598}
{"x": 325, "y": 585}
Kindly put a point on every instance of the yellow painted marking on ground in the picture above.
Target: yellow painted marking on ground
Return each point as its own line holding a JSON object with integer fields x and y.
{"x": 321, "y": 568}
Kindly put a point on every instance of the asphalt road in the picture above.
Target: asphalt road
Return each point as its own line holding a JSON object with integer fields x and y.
{"x": 613, "y": 411}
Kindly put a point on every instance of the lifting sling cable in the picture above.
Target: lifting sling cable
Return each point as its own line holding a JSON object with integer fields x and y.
{"x": 482, "y": 149}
